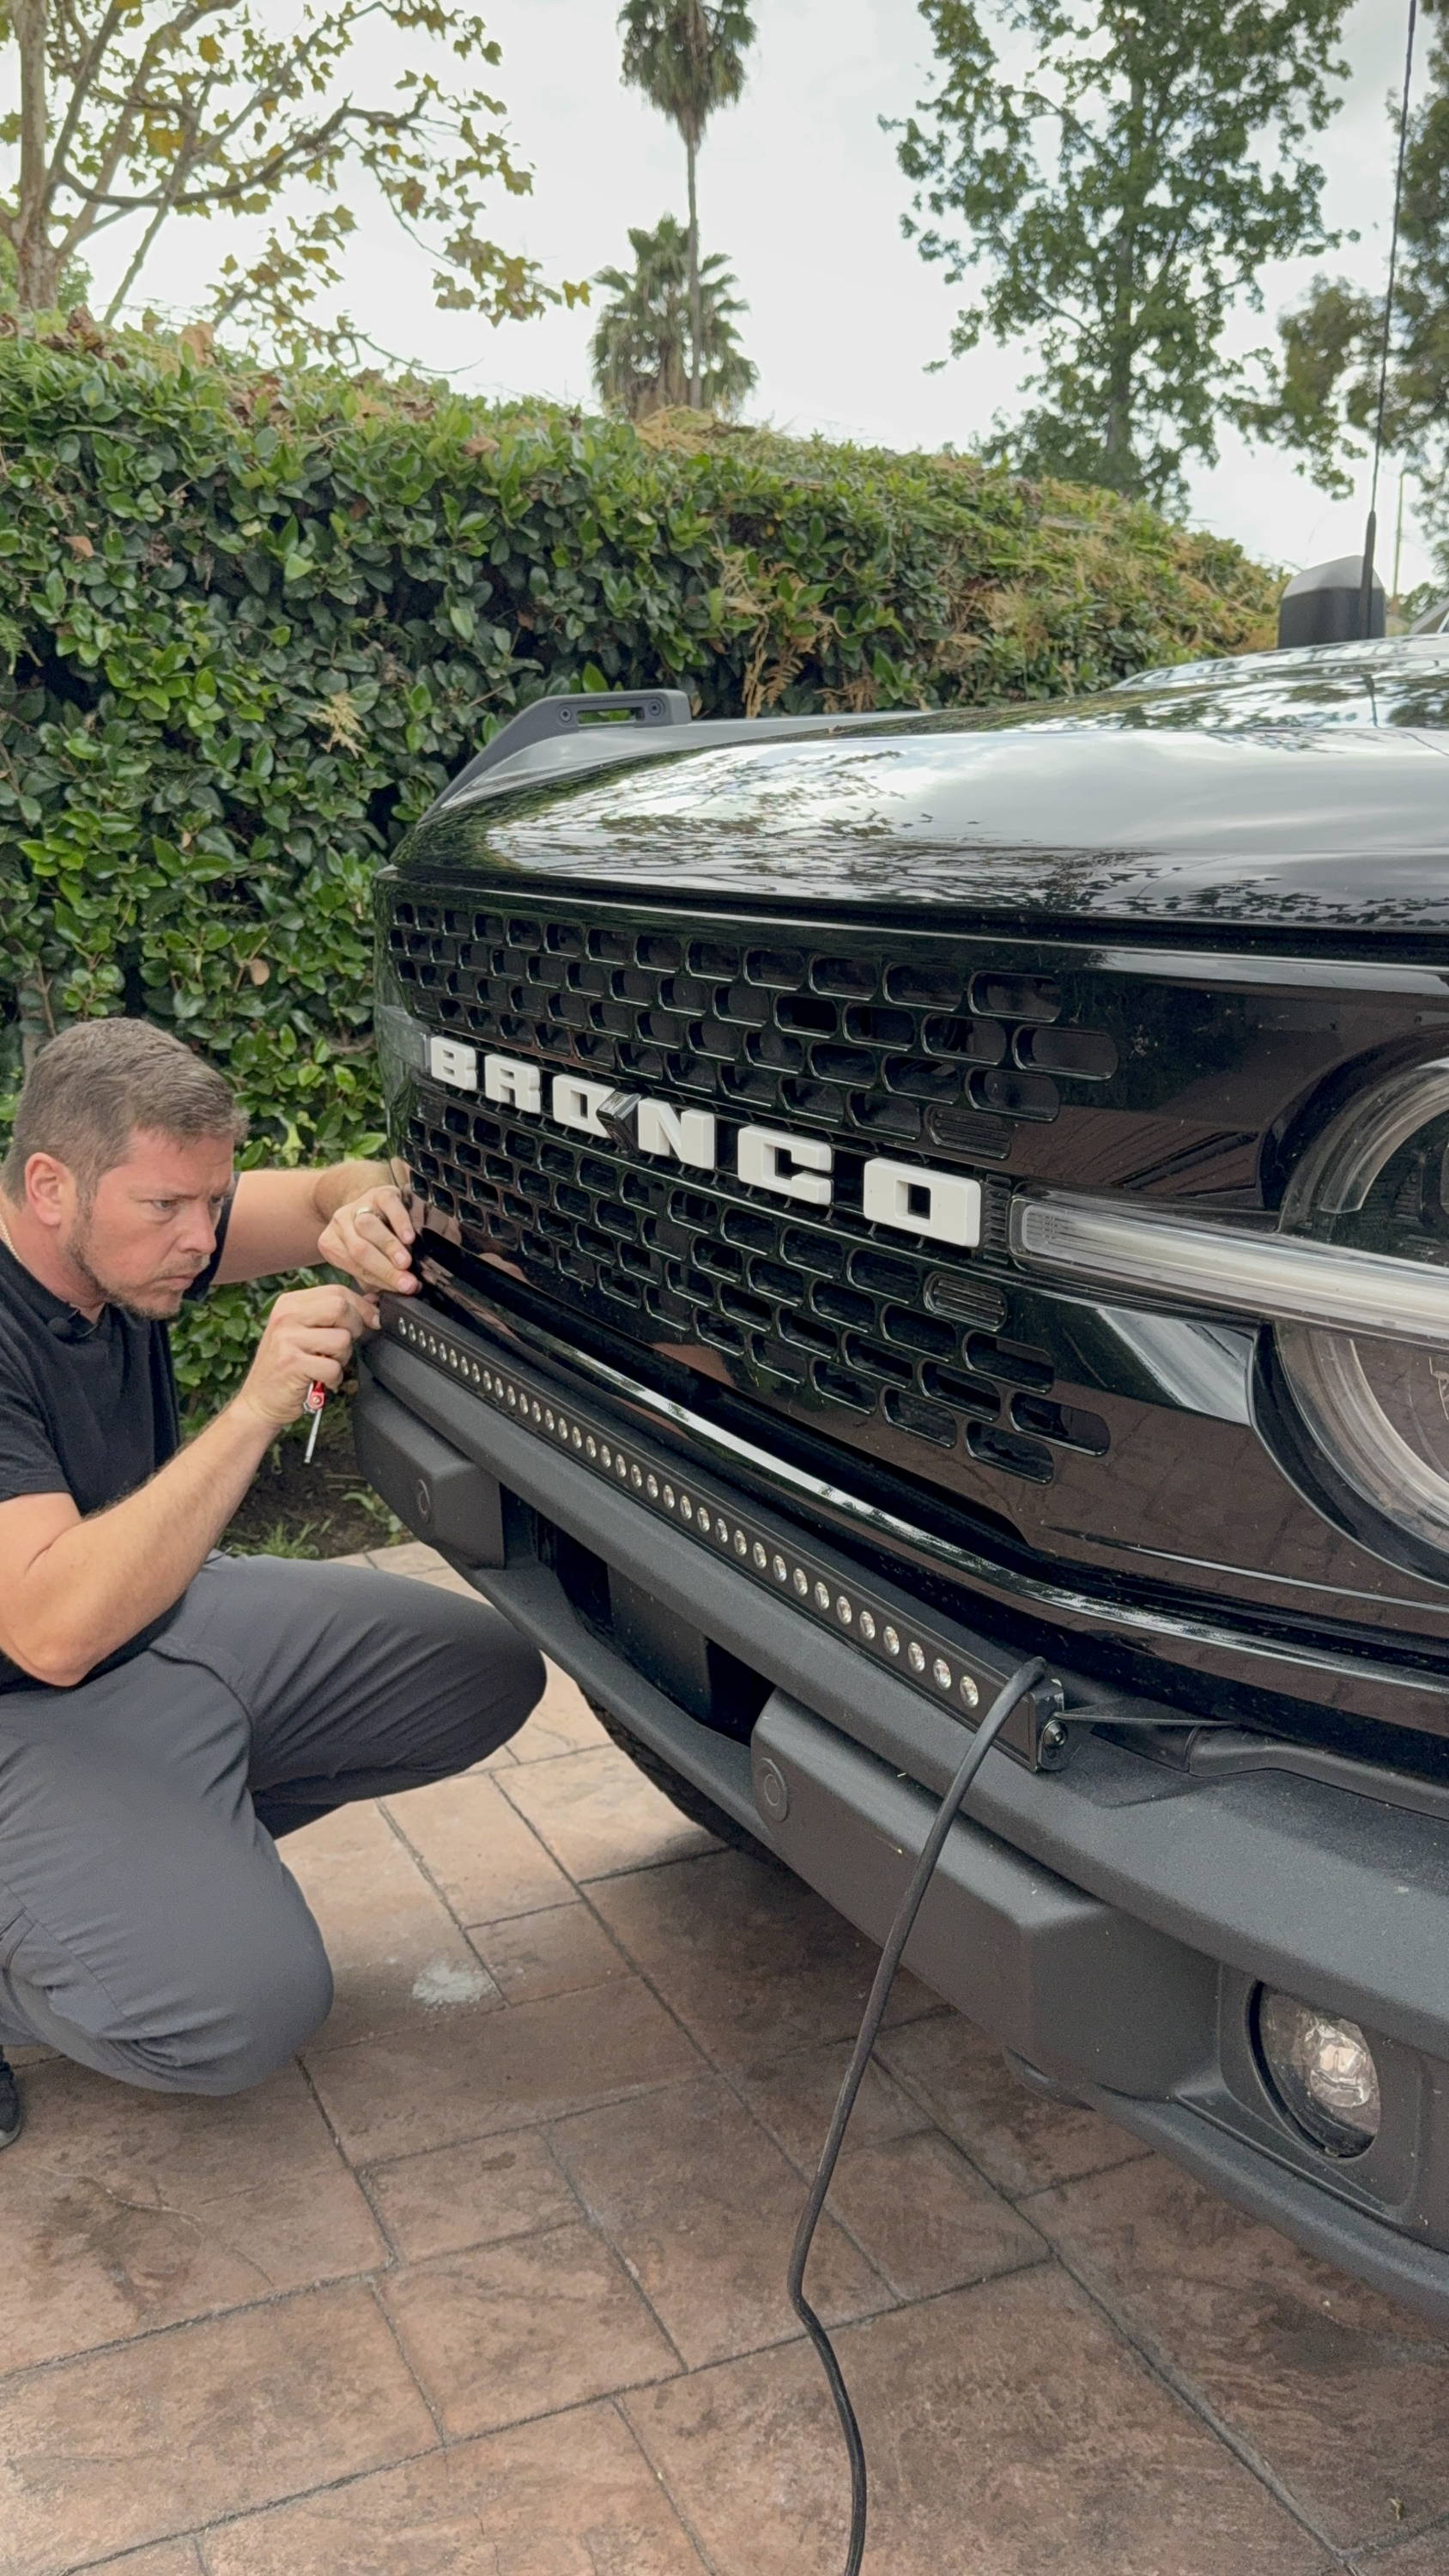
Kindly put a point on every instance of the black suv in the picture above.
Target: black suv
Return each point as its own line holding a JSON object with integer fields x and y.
{"x": 907, "y": 1193}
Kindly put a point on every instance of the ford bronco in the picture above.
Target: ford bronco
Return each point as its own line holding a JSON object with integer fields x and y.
{"x": 908, "y": 1192}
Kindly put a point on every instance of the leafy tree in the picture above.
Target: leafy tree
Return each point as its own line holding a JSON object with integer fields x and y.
{"x": 135, "y": 111}
{"x": 688, "y": 57}
{"x": 1118, "y": 194}
{"x": 645, "y": 354}
{"x": 1323, "y": 397}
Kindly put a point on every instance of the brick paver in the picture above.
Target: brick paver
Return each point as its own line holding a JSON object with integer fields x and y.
{"x": 492, "y": 2281}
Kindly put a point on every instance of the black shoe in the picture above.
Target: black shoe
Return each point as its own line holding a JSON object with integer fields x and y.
{"x": 12, "y": 2118}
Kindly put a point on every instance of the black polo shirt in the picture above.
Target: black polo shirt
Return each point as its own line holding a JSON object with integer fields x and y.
{"x": 85, "y": 1409}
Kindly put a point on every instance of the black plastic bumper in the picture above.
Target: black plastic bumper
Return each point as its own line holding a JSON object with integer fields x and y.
{"x": 1109, "y": 1923}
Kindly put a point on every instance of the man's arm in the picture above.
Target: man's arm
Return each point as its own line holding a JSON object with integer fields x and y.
{"x": 72, "y": 1591}
{"x": 352, "y": 1215}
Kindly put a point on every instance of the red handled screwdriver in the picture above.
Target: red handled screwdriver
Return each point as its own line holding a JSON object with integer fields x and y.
{"x": 312, "y": 1402}
{"x": 316, "y": 1395}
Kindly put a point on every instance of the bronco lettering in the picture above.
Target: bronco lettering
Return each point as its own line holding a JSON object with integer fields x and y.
{"x": 945, "y": 1207}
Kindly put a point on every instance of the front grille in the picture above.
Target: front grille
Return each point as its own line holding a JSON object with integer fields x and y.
{"x": 896, "y": 1052}
{"x": 908, "y": 1352}
{"x": 803, "y": 1312}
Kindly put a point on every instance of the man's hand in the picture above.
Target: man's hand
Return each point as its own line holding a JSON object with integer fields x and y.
{"x": 308, "y": 1335}
{"x": 371, "y": 1237}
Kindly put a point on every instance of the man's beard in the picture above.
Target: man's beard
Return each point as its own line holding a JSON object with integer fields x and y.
{"x": 166, "y": 1303}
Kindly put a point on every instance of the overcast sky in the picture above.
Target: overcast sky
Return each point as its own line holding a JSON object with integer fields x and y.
{"x": 801, "y": 189}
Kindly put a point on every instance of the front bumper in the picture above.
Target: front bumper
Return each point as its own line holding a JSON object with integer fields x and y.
{"x": 1109, "y": 1922}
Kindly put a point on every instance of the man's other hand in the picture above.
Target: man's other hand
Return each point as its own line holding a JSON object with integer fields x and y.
{"x": 308, "y": 1336}
{"x": 372, "y": 1237}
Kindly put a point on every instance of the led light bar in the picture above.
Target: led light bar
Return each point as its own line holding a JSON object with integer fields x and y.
{"x": 919, "y": 1652}
{"x": 1285, "y": 1278}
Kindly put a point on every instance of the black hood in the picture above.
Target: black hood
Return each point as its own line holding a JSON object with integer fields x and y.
{"x": 1291, "y": 792}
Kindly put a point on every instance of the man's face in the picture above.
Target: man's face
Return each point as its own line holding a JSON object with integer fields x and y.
{"x": 151, "y": 1225}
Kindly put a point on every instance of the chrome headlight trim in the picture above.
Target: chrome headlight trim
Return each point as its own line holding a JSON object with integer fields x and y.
{"x": 1282, "y": 1278}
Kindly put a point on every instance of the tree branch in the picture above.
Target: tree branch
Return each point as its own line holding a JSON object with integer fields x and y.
{"x": 180, "y": 170}
{"x": 83, "y": 80}
{"x": 28, "y": 18}
{"x": 133, "y": 99}
{"x": 268, "y": 174}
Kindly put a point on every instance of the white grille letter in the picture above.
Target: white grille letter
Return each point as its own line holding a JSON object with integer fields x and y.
{"x": 687, "y": 1134}
{"x": 794, "y": 1165}
{"x": 450, "y": 1061}
{"x": 575, "y": 1103}
{"x": 515, "y": 1085}
{"x": 937, "y": 1204}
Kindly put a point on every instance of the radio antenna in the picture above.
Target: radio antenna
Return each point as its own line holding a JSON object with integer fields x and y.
{"x": 1365, "y": 597}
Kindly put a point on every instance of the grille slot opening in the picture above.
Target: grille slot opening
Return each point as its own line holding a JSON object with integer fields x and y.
{"x": 810, "y": 1336}
{"x": 919, "y": 1333}
{"x": 922, "y": 1421}
{"x": 939, "y": 987}
{"x": 787, "y": 967}
{"x": 1015, "y": 1361}
{"x": 1016, "y": 1094}
{"x": 974, "y": 1395}
{"x": 1089, "y": 1054}
{"x": 1017, "y": 997}
{"x": 803, "y": 1011}
{"x": 874, "y": 1360}
{"x": 856, "y": 1393}
{"x": 847, "y": 975}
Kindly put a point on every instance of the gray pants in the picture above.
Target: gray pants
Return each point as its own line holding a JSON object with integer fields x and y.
{"x": 148, "y": 1926}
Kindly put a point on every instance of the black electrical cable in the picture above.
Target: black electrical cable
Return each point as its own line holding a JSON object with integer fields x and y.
{"x": 1371, "y": 532}
{"x": 1024, "y": 1679}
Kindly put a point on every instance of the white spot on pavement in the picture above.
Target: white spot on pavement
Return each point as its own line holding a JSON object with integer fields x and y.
{"x": 447, "y": 1981}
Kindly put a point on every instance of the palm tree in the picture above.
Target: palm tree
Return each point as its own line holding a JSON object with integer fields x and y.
{"x": 646, "y": 352}
{"x": 687, "y": 56}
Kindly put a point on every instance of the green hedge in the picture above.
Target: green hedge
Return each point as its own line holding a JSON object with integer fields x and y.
{"x": 249, "y": 626}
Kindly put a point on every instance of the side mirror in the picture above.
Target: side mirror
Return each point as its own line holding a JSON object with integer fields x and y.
{"x": 1321, "y": 606}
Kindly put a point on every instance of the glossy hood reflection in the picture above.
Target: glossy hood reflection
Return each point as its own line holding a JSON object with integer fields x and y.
{"x": 1068, "y": 813}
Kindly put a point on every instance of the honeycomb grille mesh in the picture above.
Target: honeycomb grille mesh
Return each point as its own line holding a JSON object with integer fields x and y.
{"x": 903, "y": 1355}
{"x": 893, "y": 1052}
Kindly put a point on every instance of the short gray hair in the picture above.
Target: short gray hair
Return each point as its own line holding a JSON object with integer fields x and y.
{"x": 100, "y": 1083}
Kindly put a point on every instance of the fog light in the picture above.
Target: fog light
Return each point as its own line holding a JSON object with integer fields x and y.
{"x": 1322, "y": 2069}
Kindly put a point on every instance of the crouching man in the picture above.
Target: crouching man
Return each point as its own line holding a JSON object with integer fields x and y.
{"x": 167, "y": 1714}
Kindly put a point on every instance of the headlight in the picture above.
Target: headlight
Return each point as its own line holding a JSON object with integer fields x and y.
{"x": 1376, "y": 1409}
{"x": 1354, "y": 1281}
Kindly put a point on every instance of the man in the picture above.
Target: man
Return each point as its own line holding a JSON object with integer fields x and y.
{"x": 166, "y": 1713}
